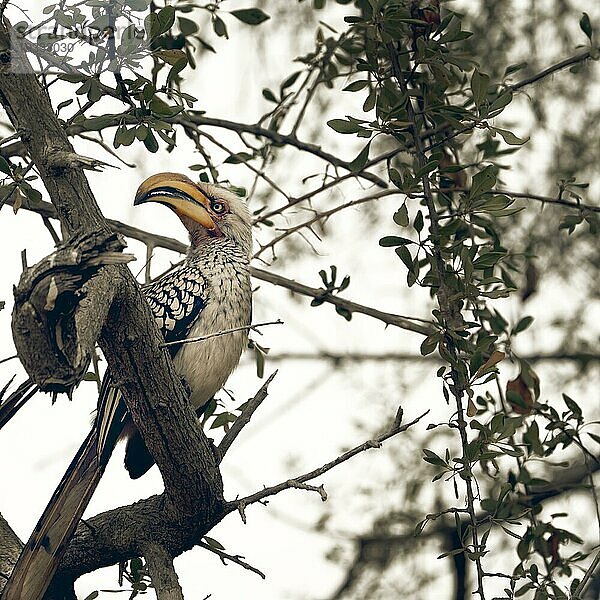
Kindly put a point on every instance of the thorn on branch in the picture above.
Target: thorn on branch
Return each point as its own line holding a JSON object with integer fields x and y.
{"x": 241, "y": 507}
{"x": 235, "y": 558}
{"x": 72, "y": 160}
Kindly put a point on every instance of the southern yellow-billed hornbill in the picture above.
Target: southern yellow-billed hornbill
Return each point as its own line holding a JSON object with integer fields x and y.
{"x": 208, "y": 293}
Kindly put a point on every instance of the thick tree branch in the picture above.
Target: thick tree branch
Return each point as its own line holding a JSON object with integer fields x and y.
{"x": 27, "y": 105}
{"x": 162, "y": 573}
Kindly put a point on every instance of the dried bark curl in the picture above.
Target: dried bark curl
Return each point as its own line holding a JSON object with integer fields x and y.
{"x": 55, "y": 323}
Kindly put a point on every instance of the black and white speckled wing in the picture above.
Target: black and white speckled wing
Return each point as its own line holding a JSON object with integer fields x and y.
{"x": 176, "y": 301}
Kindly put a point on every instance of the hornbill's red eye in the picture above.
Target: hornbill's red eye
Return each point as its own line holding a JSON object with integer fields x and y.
{"x": 218, "y": 207}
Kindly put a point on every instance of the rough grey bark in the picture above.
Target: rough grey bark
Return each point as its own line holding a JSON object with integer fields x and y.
{"x": 164, "y": 578}
{"x": 10, "y": 548}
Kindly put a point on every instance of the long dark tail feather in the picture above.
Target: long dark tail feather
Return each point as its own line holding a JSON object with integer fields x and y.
{"x": 41, "y": 555}
{"x": 44, "y": 550}
{"x": 14, "y": 402}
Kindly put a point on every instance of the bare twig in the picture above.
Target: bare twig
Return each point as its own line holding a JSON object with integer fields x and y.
{"x": 353, "y": 307}
{"x": 237, "y": 559}
{"x": 396, "y": 428}
{"x": 559, "y": 66}
{"x": 195, "y": 119}
{"x": 324, "y": 215}
{"x": 9, "y": 358}
{"x": 55, "y": 237}
{"x": 203, "y": 338}
{"x": 244, "y": 418}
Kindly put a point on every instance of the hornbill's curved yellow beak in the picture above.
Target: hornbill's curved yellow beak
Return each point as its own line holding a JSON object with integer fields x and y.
{"x": 180, "y": 193}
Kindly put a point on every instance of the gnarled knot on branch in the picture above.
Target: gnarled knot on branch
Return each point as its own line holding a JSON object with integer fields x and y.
{"x": 55, "y": 322}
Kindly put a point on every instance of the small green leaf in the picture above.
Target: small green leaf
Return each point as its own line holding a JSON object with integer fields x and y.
{"x": 358, "y": 164}
{"x": 33, "y": 194}
{"x": 4, "y": 166}
{"x": 405, "y": 256}
{"x": 213, "y": 543}
{"x": 219, "y": 27}
{"x": 369, "y": 103}
{"x": 485, "y": 261}
{"x": 572, "y": 406}
{"x": 500, "y": 103}
{"x": 269, "y": 95}
{"x": 173, "y": 72}
{"x": 479, "y": 86}
{"x": 150, "y": 142}
{"x": 428, "y": 168}
{"x": 586, "y": 25}
{"x": 433, "y": 459}
{"x": 483, "y": 181}
{"x": 187, "y": 26}
{"x": 429, "y": 344}
{"x": 138, "y": 5}
{"x": 239, "y": 157}
{"x": 509, "y": 137}
{"x": 289, "y": 82}
{"x": 250, "y": 16}
{"x": 98, "y": 123}
{"x": 356, "y": 86}
{"x": 344, "y": 312}
{"x": 522, "y": 325}
{"x": 389, "y": 241}
{"x": 343, "y": 126}
{"x": 418, "y": 222}
{"x": 401, "y": 216}
{"x": 166, "y": 18}
{"x": 514, "y": 68}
